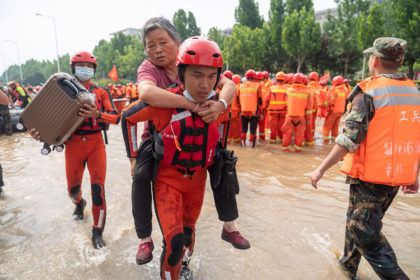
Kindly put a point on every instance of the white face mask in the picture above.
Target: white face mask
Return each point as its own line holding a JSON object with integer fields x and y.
{"x": 84, "y": 73}
{"x": 188, "y": 96}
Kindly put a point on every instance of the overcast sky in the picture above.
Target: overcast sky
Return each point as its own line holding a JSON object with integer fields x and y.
{"x": 82, "y": 23}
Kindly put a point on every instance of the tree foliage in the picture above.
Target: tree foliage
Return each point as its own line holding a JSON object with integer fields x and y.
{"x": 247, "y": 14}
{"x": 186, "y": 25}
{"x": 342, "y": 32}
{"x": 276, "y": 16}
{"x": 297, "y": 5}
{"x": 301, "y": 35}
{"x": 371, "y": 26}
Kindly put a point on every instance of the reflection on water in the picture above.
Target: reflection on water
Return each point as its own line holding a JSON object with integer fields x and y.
{"x": 295, "y": 232}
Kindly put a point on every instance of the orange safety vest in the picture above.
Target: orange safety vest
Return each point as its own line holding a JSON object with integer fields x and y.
{"x": 264, "y": 93}
{"x": 340, "y": 100}
{"x": 297, "y": 100}
{"x": 278, "y": 99}
{"x": 315, "y": 87}
{"x": 248, "y": 96}
{"x": 390, "y": 153}
{"x": 235, "y": 107}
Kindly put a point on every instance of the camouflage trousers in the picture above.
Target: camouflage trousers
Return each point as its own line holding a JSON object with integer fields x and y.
{"x": 5, "y": 126}
{"x": 1, "y": 176}
{"x": 367, "y": 206}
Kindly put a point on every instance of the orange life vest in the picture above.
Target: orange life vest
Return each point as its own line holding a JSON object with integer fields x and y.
{"x": 340, "y": 100}
{"x": 264, "y": 93}
{"x": 390, "y": 152}
{"x": 235, "y": 103}
{"x": 278, "y": 99}
{"x": 297, "y": 100}
{"x": 248, "y": 97}
{"x": 187, "y": 142}
{"x": 315, "y": 87}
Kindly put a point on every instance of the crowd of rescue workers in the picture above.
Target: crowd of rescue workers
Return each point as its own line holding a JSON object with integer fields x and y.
{"x": 191, "y": 111}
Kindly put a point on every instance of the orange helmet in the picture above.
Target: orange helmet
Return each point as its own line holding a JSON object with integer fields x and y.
{"x": 236, "y": 79}
{"x": 313, "y": 76}
{"x": 83, "y": 57}
{"x": 281, "y": 76}
{"x": 259, "y": 75}
{"x": 250, "y": 74}
{"x": 338, "y": 80}
{"x": 265, "y": 74}
{"x": 228, "y": 74}
{"x": 298, "y": 78}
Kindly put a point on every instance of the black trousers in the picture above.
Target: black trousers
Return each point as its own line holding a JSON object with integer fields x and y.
{"x": 253, "y": 121}
{"x": 141, "y": 194}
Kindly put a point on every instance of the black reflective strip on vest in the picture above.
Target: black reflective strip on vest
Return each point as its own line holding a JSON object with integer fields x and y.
{"x": 194, "y": 131}
{"x": 204, "y": 151}
{"x": 189, "y": 163}
{"x": 192, "y": 148}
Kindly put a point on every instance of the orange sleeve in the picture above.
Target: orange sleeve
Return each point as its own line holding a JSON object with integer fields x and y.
{"x": 108, "y": 112}
{"x": 139, "y": 111}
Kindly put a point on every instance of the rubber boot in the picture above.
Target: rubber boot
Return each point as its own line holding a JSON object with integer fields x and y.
{"x": 78, "y": 211}
{"x": 97, "y": 238}
{"x": 252, "y": 139}
{"x": 243, "y": 139}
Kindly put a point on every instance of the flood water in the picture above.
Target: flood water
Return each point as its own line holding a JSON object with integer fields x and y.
{"x": 296, "y": 232}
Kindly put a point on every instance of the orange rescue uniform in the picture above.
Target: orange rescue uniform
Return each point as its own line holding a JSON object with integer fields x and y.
{"x": 332, "y": 121}
{"x": 299, "y": 102}
{"x": 277, "y": 109}
{"x": 315, "y": 88}
{"x": 235, "y": 121}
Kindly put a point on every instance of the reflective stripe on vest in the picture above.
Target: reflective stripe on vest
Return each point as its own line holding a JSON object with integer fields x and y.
{"x": 278, "y": 100}
{"x": 390, "y": 153}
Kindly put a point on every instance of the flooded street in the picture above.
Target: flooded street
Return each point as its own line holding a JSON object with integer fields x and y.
{"x": 296, "y": 232}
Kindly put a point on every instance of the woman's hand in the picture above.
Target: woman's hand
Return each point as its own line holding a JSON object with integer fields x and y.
{"x": 210, "y": 110}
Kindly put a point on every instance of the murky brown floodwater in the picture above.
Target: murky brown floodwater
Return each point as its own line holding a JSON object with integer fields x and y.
{"x": 295, "y": 232}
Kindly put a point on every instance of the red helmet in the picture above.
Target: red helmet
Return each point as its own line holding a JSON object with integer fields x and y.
{"x": 109, "y": 85}
{"x": 338, "y": 80}
{"x": 199, "y": 51}
{"x": 259, "y": 75}
{"x": 119, "y": 85}
{"x": 83, "y": 57}
{"x": 346, "y": 81}
{"x": 306, "y": 80}
{"x": 250, "y": 74}
{"x": 228, "y": 74}
{"x": 37, "y": 88}
{"x": 313, "y": 76}
{"x": 236, "y": 79}
{"x": 298, "y": 78}
{"x": 265, "y": 74}
{"x": 281, "y": 76}
{"x": 130, "y": 84}
{"x": 289, "y": 78}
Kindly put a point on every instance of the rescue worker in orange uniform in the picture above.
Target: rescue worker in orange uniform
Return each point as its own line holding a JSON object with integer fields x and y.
{"x": 277, "y": 107}
{"x": 314, "y": 87}
{"x": 264, "y": 94}
{"x": 250, "y": 100}
{"x": 86, "y": 146}
{"x": 298, "y": 113}
{"x": 377, "y": 143}
{"x": 337, "y": 101}
{"x": 184, "y": 146}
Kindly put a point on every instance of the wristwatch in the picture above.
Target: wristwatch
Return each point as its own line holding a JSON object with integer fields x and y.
{"x": 224, "y": 103}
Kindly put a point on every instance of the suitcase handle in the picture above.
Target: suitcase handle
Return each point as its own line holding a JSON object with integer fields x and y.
{"x": 71, "y": 87}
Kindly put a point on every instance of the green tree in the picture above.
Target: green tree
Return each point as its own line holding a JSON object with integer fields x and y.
{"x": 297, "y": 5}
{"x": 407, "y": 18}
{"x": 301, "y": 35}
{"x": 342, "y": 33}
{"x": 371, "y": 26}
{"x": 129, "y": 62}
{"x": 247, "y": 14}
{"x": 186, "y": 25}
{"x": 216, "y": 35}
{"x": 245, "y": 48}
{"x": 34, "y": 79}
{"x": 193, "y": 29}
{"x": 276, "y": 16}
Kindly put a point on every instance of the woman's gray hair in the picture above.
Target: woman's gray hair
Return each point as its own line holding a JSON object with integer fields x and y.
{"x": 162, "y": 23}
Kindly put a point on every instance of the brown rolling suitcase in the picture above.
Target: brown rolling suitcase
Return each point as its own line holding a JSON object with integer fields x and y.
{"x": 54, "y": 110}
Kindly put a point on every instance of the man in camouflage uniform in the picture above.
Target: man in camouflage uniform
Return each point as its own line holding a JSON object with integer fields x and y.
{"x": 5, "y": 115}
{"x": 368, "y": 202}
